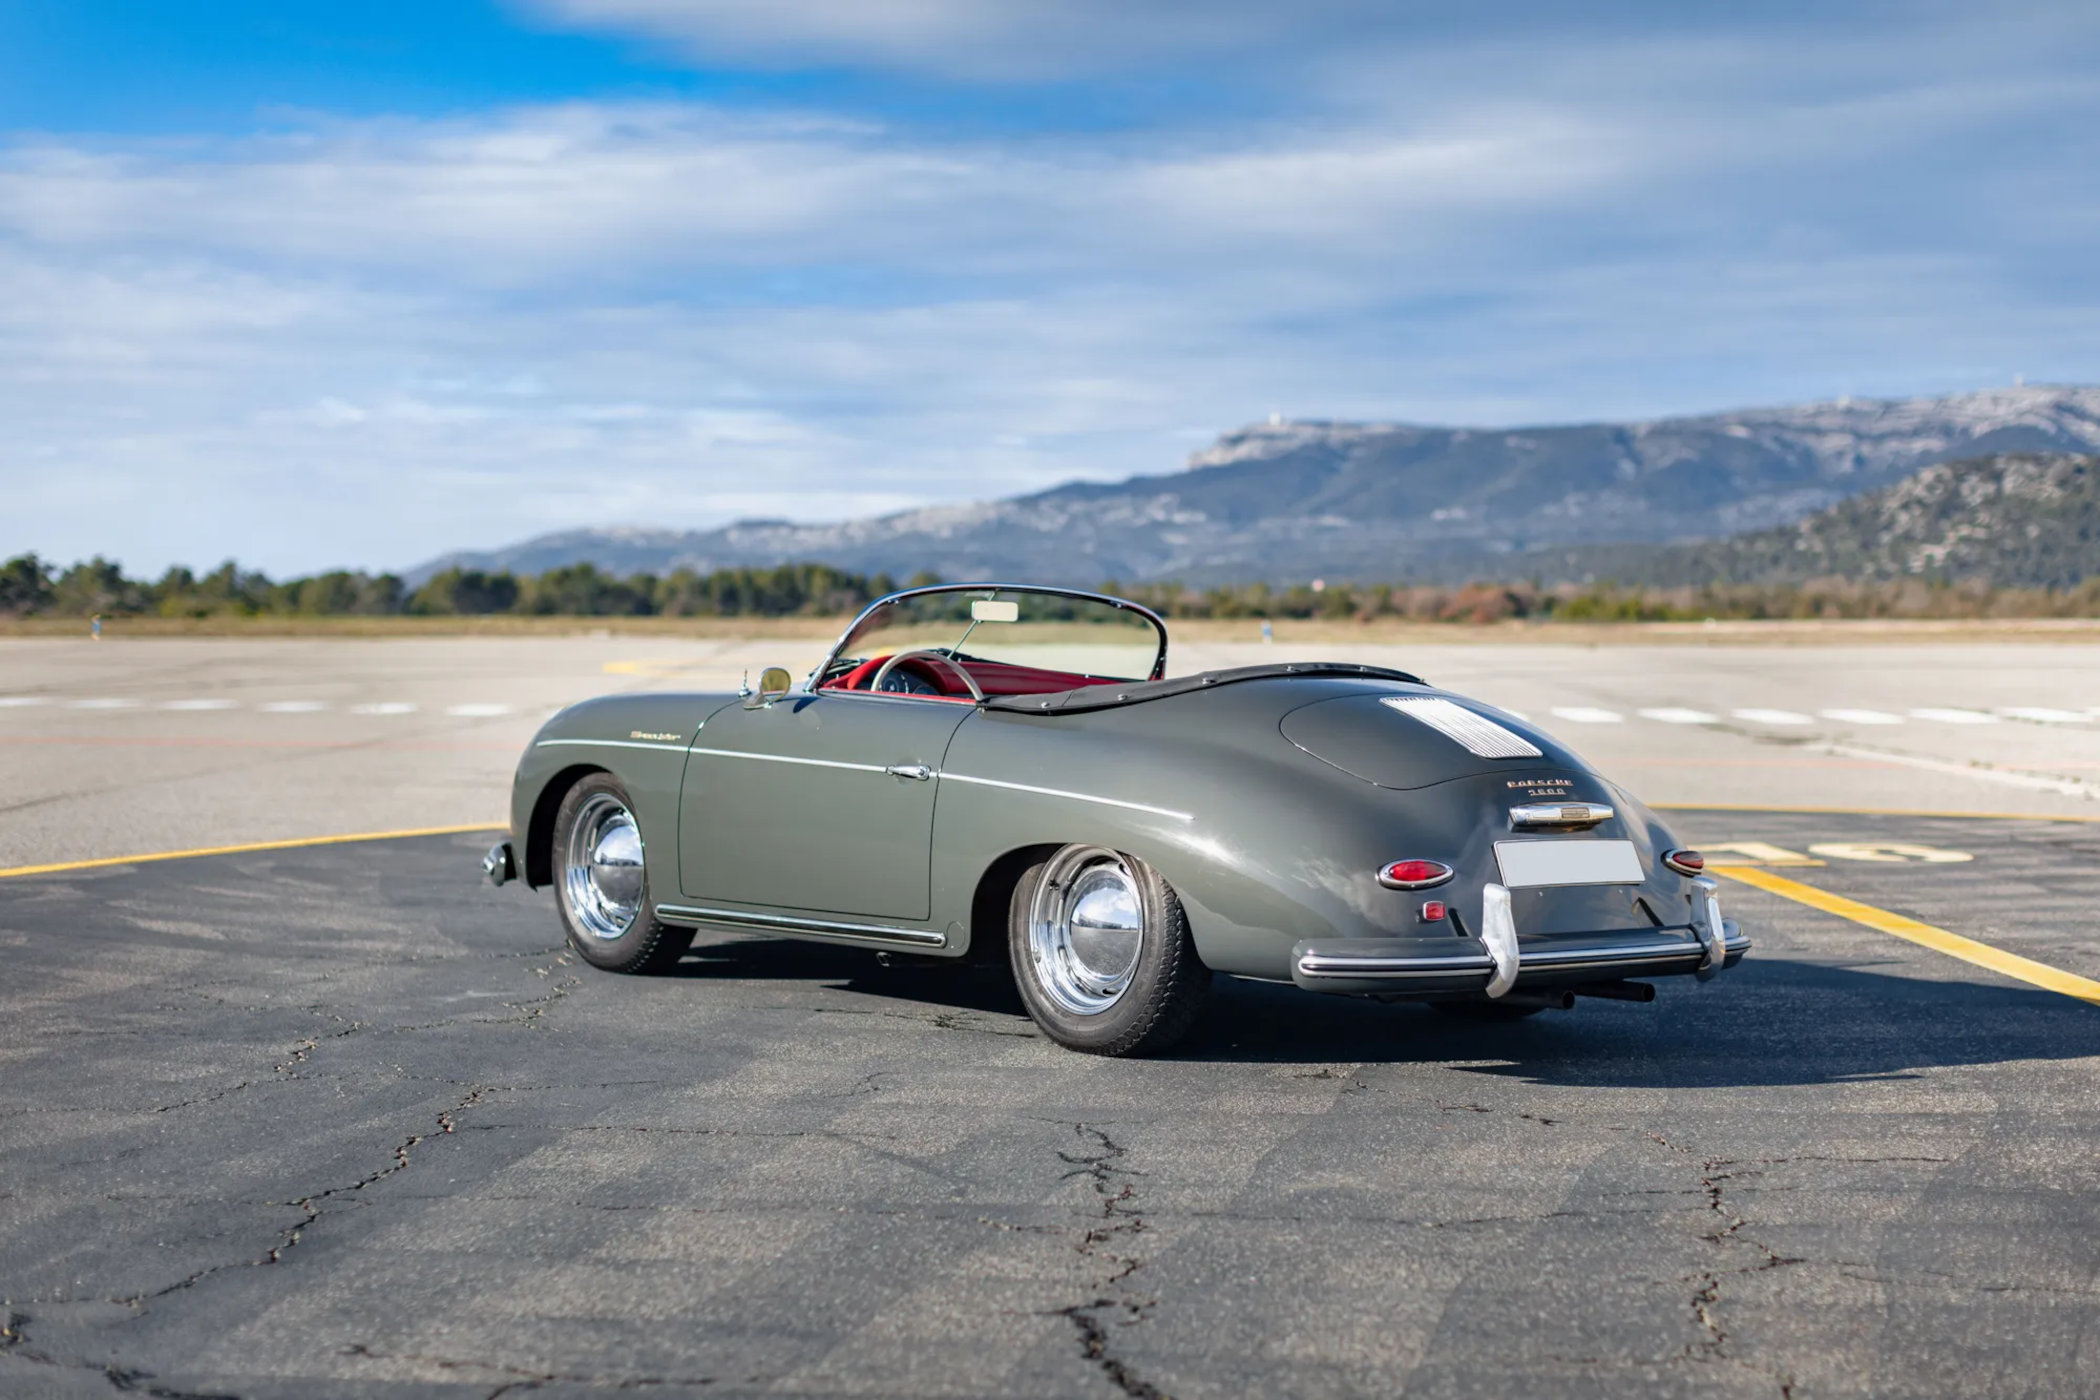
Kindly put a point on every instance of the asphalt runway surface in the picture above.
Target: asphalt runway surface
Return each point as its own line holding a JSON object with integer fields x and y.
{"x": 342, "y": 1120}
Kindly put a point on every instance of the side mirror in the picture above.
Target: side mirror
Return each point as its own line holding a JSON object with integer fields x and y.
{"x": 773, "y": 682}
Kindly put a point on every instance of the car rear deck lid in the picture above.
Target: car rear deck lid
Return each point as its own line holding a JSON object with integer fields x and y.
{"x": 1401, "y": 746}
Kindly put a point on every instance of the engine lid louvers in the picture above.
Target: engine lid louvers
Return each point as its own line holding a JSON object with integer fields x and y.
{"x": 1478, "y": 734}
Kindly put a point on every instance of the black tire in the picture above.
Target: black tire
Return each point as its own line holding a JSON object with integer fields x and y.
{"x": 1167, "y": 984}
{"x": 1484, "y": 1010}
{"x": 594, "y": 925}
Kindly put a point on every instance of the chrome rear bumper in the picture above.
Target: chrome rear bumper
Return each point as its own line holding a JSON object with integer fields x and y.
{"x": 1465, "y": 965}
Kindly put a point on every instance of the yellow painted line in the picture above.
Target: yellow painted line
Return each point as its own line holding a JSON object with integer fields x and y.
{"x": 1938, "y": 939}
{"x": 252, "y": 846}
{"x": 1868, "y": 812}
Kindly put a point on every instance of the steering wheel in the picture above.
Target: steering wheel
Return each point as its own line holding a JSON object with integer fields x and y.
{"x": 930, "y": 654}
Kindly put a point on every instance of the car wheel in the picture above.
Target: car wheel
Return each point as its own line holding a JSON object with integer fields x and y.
{"x": 1102, "y": 955}
{"x": 602, "y": 886}
{"x": 1484, "y": 1010}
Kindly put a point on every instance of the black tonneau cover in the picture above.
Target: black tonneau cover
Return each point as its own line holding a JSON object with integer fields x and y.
{"x": 1102, "y": 697}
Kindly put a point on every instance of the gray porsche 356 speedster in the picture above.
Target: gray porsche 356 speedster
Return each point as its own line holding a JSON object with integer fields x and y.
{"x": 1003, "y": 772}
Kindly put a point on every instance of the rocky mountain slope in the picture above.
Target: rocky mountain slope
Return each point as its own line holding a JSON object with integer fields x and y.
{"x": 1295, "y": 500}
{"x": 2022, "y": 520}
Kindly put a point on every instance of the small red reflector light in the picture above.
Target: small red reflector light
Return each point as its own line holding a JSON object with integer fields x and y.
{"x": 1414, "y": 874}
{"x": 1433, "y": 912}
{"x": 1685, "y": 862}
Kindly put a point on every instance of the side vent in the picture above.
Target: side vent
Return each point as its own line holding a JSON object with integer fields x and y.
{"x": 1479, "y": 734}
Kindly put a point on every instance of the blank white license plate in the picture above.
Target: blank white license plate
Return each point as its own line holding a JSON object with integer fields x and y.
{"x": 1530, "y": 864}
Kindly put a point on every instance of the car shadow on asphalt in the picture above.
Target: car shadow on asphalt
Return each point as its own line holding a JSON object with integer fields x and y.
{"x": 1773, "y": 1021}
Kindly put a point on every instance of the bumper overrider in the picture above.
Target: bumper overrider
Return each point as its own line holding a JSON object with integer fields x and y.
{"x": 1499, "y": 962}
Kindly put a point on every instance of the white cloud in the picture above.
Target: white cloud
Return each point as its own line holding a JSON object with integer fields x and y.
{"x": 366, "y": 342}
{"x": 977, "y": 39}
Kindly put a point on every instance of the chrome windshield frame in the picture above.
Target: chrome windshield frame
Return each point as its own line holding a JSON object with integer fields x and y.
{"x": 838, "y": 648}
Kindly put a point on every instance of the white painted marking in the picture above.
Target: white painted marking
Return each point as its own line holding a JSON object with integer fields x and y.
{"x": 196, "y": 704}
{"x": 103, "y": 703}
{"x": 1583, "y": 714}
{"x": 2042, "y": 714}
{"x": 292, "y": 707}
{"x": 479, "y": 711}
{"x": 16, "y": 702}
{"x": 1670, "y": 714}
{"x": 1946, "y": 716}
{"x": 384, "y": 707}
{"x": 1861, "y": 716}
{"x": 1775, "y": 717}
{"x": 2034, "y": 782}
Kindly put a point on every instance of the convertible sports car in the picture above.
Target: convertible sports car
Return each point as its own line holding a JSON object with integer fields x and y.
{"x": 1003, "y": 772}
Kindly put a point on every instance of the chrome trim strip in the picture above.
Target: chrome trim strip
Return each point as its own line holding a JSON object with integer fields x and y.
{"x": 783, "y": 758}
{"x": 1606, "y": 953}
{"x": 1333, "y": 965}
{"x": 1550, "y": 815}
{"x": 788, "y": 923}
{"x": 1075, "y": 796}
{"x": 611, "y": 744}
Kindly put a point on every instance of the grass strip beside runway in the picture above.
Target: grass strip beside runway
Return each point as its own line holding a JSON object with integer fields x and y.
{"x": 292, "y": 844}
{"x": 1925, "y": 935}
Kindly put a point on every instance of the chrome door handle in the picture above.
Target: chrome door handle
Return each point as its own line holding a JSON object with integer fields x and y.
{"x": 917, "y": 772}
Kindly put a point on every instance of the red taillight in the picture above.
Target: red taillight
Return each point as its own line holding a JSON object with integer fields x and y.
{"x": 1685, "y": 862}
{"x": 1414, "y": 874}
{"x": 1433, "y": 911}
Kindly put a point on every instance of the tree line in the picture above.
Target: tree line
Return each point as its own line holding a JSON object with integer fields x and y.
{"x": 29, "y": 587}
{"x": 1488, "y": 602}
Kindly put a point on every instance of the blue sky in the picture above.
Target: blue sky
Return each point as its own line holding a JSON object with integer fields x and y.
{"x": 319, "y": 285}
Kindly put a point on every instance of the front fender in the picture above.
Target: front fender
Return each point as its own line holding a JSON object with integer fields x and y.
{"x": 642, "y": 741}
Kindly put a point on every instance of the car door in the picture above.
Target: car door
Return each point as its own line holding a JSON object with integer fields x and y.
{"x": 818, "y": 801}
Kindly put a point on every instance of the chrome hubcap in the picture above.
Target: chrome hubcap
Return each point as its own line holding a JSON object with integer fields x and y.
{"x": 601, "y": 879}
{"x": 1086, "y": 928}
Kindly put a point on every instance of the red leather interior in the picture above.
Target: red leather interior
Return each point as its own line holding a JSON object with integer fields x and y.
{"x": 992, "y": 677}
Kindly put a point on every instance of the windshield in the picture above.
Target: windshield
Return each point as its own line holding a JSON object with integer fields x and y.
{"x": 972, "y": 643}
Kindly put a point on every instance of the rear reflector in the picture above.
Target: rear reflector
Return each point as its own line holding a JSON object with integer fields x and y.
{"x": 1480, "y": 735}
{"x": 1414, "y": 874}
{"x": 1685, "y": 862}
{"x": 1433, "y": 911}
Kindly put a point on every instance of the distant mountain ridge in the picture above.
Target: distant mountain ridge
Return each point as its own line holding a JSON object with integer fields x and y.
{"x": 1292, "y": 500}
{"x": 2016, "y": 520}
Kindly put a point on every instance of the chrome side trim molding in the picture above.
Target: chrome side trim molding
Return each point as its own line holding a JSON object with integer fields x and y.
{"x": 783, "y": 758}
{"x": 1073, "y": 796}
{"x": 789, "y": 923}
{"x": 610, "y": 744}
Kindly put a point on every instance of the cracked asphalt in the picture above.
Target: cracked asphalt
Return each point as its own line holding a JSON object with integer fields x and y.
{"x": 344, "y": 1121}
